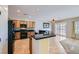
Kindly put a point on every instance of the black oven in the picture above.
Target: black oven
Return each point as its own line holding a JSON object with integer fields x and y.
{"x": 23, "y": 31}
{"x": 23, "y": 35}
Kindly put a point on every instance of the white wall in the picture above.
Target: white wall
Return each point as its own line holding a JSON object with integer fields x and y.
{"x": 3, "y": 28}
{"x": 39, "y": 25}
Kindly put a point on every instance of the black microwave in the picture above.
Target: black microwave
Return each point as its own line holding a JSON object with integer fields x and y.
{"x": 23, "y": 25}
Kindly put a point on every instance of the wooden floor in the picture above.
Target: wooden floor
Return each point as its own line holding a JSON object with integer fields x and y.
{"x": 21, "y": 46}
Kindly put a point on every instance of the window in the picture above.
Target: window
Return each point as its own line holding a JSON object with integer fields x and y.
{"x": 76, "y": 27}
{"x": 60, "y": 28}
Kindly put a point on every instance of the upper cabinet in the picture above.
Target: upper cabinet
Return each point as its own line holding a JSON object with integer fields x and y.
{"x": 23, "y": 22}
{"x": 31, "y": 24}
{"x": 18, "y": 23}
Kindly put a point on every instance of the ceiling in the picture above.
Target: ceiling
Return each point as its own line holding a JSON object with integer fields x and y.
{"x": 42, "y": 12}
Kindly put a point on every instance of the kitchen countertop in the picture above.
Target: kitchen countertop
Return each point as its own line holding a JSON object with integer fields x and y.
{"x": 41, "y": 36}
{"x": 20, "y": 30}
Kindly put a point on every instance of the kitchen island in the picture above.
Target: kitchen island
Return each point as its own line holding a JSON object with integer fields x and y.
{"x": 42, "y": 36}
{"x": 47, "y": 45}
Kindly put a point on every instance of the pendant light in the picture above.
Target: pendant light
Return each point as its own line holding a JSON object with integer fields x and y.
{"x": 53, "y": 21}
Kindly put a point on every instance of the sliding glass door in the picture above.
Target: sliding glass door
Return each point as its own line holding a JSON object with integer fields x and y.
{"x": 60, "y": 28}
{"x": 76, "y": 27}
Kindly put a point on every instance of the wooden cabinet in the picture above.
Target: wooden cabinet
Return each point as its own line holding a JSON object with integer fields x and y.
{"x": 17, "y": 35}
{"x": 23, "y": 22}
{"x": 16, "y": 23}
{"x": 31, "y": 24}
{"x": 19, "y": 45}
{"x": 30, "y": 34}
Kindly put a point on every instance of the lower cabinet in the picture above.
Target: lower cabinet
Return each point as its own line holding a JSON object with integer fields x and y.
{"x": 17, "y": 35}
{"x": 21, "y": 46}
{"x": 30, "y": 34}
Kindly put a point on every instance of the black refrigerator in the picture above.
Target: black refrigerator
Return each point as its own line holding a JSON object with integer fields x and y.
{"x": 10, "y": 37}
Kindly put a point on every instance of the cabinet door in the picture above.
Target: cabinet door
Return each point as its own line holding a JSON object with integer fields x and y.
{"x": 17, "y": 35}
{"x": 23, "y": 22}
{"x": 33, "y": 24}
{"x": 17, "y": 24}
{"x": 29, "y": 34}
{"x": 30, "y": 24}
{"x": 32, "y": 33}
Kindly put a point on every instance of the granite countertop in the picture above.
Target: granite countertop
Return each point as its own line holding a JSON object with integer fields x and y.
{"x": 20, "y": 29}
{"x": 41, "y": 36}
